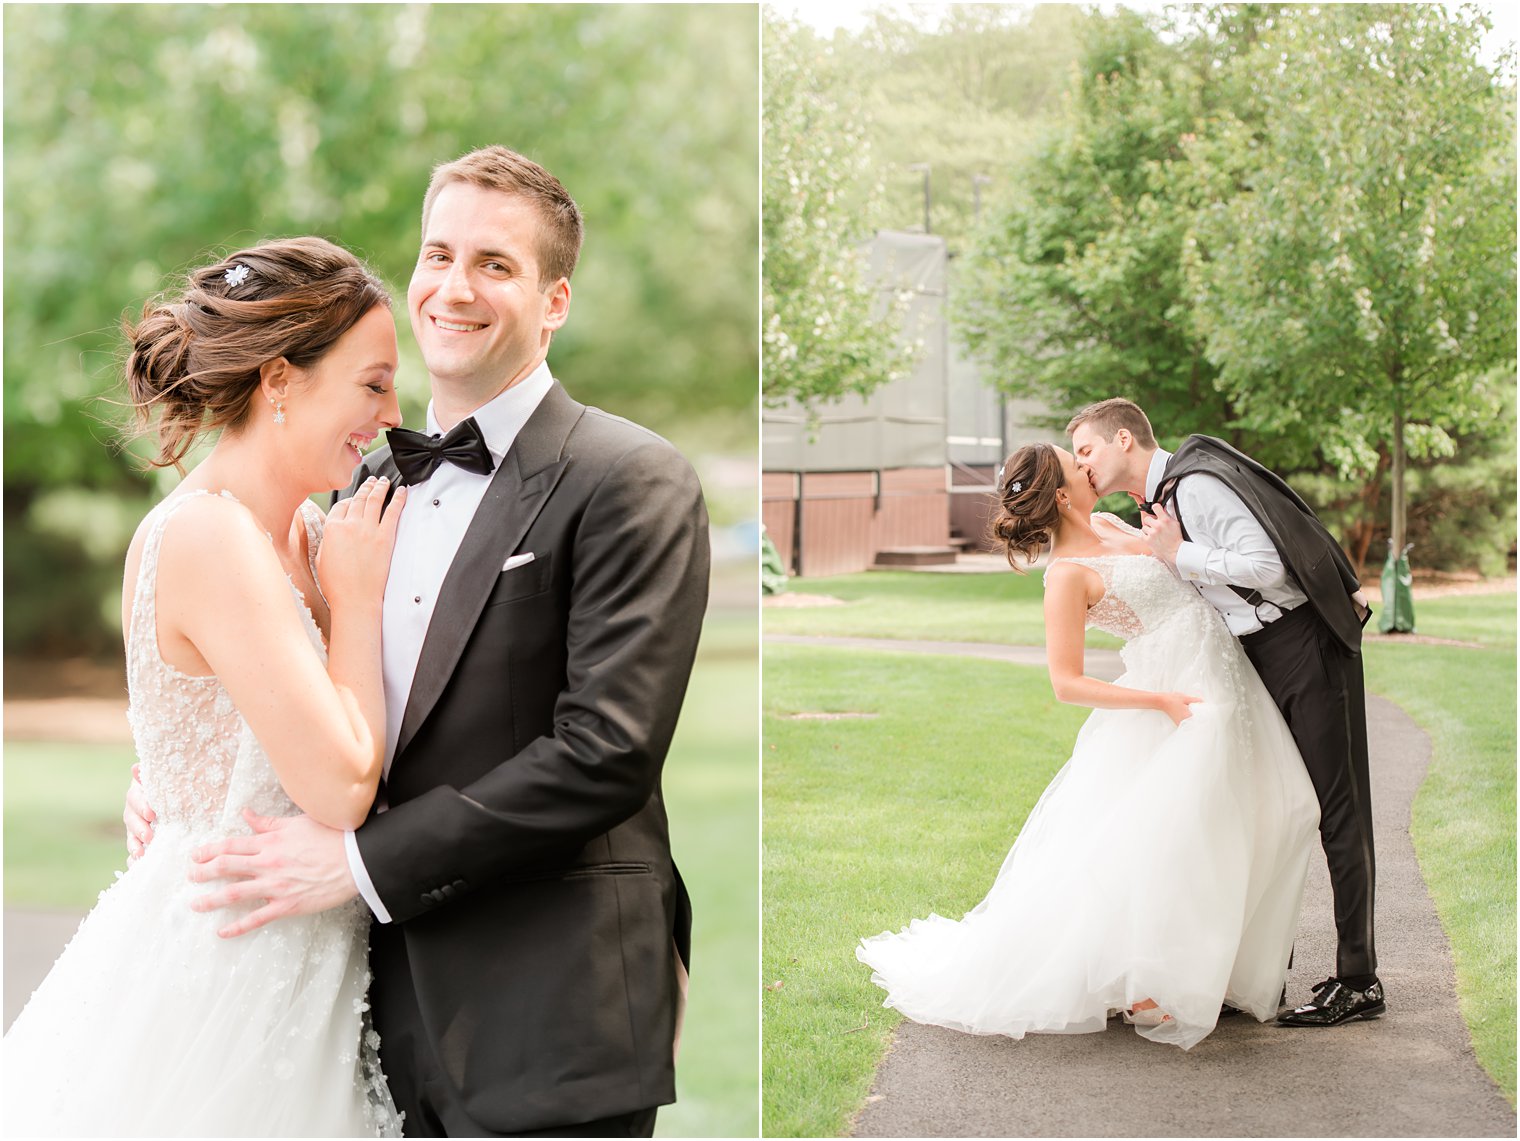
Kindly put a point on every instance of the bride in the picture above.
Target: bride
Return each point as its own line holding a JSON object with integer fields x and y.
{"x": 252, "y": 629}
{"x": 1161, "y": 872}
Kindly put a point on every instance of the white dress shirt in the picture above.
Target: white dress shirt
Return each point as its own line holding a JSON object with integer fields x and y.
{"x": 1226, "y": 545}
{"x": 438, "y": 512}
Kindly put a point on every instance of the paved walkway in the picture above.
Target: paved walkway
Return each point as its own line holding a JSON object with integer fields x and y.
{"x": 34, "y": 937}
{"x": 1410, "y": 1073}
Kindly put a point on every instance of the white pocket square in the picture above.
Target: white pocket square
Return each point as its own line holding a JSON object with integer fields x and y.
{"x": 517, "y": 561}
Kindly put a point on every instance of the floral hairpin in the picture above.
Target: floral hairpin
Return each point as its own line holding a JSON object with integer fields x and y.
{"x": 236, "y": 276}
{"x": 1015, "y": 487}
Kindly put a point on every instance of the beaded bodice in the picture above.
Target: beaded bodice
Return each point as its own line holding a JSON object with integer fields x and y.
{"x": 200, "y": 764}
{"x": 1140, "y": 594}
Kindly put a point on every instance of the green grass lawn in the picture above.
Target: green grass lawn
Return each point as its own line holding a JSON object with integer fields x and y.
{"x": 1464, "y": 815}
{"x": 63, "y": 841}
{"x": 63, "y": 833}
{"x": 1487, "y": 619}
{"x": 712, "y": 792}
{"x": 1002, "y": 608}
{"x": 870, "y": 822}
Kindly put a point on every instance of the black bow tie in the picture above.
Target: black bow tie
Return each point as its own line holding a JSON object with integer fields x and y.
{"x": 417, "y": 455}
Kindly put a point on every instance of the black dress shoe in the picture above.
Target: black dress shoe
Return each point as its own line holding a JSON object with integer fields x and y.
{"x": 1334, "y": 1003}
{"x": 1228, "y": 1011}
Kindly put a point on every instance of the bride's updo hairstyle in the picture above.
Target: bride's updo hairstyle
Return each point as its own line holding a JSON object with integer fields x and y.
{"x": 1025, "y": 513}
{"x": 193, "y": 359}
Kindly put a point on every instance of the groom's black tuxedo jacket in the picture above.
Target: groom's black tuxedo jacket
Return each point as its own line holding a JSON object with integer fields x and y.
{"x": 524, "y": 856}
{"x": 1310, "y": 553}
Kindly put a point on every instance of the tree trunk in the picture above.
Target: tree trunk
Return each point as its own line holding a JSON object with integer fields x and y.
{"x": 1359, "y": 538}
{"x": 1397, "y": 524}
{"x": 1360, "y": 535}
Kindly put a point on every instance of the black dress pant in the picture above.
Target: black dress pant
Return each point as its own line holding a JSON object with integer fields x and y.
{"x": 418, "y": 1082}
{"x": 1318, "y": 686}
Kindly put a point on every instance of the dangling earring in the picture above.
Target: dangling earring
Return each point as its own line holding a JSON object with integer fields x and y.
{"x": 279, "y": 411}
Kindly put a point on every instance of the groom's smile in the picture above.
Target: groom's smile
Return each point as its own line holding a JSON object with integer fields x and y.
{"x": 455, "y": 326}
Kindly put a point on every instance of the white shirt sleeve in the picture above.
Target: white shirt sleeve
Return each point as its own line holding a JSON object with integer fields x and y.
{"x": 1228, "y": 546}
{"x": 362, "y": 881}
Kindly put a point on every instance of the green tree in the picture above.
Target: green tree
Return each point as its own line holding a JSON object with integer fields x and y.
{"x": 1290, "y": 226}
{"x": 966, "y": 97}
{"x": 825, "y": 332}
{"x": 1361, "y": 282}
{"x": 1076, "y": 290}
{"x": 1461, "y": 507}
{"x": 140, "y": 139}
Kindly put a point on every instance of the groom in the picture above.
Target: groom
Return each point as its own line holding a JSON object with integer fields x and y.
{"x": 540, "y": 622}
{"x": 1254, "y": 550}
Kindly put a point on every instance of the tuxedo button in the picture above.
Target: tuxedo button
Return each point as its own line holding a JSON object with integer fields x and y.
{"x": 460, "y": 885}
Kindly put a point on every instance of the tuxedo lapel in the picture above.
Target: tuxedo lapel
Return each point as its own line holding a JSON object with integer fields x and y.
{"x": 381, "y": 465}
{"x": 522, "y": 484}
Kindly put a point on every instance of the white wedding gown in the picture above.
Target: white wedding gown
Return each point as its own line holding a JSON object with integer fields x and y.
{"x": 1162, "y": 862}
{"x": 151, "y": 1024}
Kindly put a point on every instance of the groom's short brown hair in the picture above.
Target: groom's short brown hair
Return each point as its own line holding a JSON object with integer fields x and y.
{"x": 499, "y": 168}
{"x": 1107, "y": 416}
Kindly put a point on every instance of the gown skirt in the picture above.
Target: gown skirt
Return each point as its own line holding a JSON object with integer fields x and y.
{"x": 1162, "y": 862}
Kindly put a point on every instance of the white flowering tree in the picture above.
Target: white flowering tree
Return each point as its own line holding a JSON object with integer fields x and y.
{"x": 825, "y": 333}
{"x": 1360, "y": 281}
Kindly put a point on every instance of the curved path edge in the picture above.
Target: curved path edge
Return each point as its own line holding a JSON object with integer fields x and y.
{"x": 1103, "y": 664}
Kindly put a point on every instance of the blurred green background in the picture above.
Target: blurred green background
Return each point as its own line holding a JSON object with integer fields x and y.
{"x": 140, "y": 140}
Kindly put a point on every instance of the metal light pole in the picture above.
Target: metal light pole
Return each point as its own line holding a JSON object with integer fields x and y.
{"x": 924, "y": 167}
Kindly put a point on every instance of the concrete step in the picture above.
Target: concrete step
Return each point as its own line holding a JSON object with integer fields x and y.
{"x": 914, "y": 556}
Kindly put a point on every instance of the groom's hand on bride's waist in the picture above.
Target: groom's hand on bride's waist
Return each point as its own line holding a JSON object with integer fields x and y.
{"x": 138, "y": 817}
{"x": 291, "y": 865}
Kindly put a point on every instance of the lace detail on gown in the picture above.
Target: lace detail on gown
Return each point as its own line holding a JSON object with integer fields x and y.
{"x": 1146, "y": 605}
{"x": 1111, "y": 613}
{"x": 150, "y": 1023}
{"x": 187, "y": 732}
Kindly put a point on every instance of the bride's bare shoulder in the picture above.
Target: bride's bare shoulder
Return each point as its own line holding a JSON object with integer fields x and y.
{"x": 1065, "y": 579}
{"x": 211, "y": 543}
